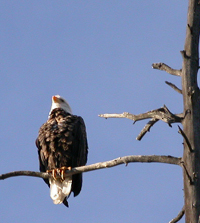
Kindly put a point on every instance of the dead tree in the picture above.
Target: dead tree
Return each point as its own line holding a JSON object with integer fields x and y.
{"x": 191, "y": 122}
{"x": 189, "y": 118}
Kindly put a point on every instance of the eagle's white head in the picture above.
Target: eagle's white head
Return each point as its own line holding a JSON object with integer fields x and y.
{"x": 59, "y": 102}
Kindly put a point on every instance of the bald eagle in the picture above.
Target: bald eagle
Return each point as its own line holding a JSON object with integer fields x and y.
{"x": 62, "y": 144}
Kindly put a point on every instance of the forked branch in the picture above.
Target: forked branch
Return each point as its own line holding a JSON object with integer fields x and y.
{"x": 158, "y": 114}
{"x": 161, "y": 113}
{"x": 118, "y": 161}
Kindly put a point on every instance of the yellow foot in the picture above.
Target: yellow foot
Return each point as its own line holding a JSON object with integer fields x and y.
{"x": 59, "y": 171}
{"x": 62, "y": 171}
{"x": 53, "y": 173}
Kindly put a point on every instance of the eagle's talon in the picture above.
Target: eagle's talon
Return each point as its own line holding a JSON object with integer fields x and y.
{"x": 59, "y": 171}
{"x": 62, "y": 171}
{"x": 53, "y": 173}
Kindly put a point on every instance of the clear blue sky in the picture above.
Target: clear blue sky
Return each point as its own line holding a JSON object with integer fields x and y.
{"x": 98, "y": 56}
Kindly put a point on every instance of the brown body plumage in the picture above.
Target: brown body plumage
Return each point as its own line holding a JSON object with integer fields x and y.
{"x": 62, "y": 142}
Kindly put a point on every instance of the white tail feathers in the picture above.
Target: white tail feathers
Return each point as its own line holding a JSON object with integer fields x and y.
{"x": 59, "y": 190}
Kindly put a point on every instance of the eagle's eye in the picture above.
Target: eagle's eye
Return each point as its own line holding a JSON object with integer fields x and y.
{"x": 61, "y": 100}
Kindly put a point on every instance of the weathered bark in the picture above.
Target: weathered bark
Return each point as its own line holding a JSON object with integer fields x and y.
{"x": 191, "y": 123}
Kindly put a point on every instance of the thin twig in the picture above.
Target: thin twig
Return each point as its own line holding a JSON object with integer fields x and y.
{"x": 188, "y": 175}
{"x": 146, "y": 128}
{"x": 174, "y": 87}
{"x": 186, "y": 139}
{"x": 118, "y": 161}
{"x": 179, "y": 216}
{"x": 165, "y": 67}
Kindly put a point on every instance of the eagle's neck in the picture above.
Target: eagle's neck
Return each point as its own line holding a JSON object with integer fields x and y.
{"x": 64, "y": 106}
{"x": 58, "y": 112}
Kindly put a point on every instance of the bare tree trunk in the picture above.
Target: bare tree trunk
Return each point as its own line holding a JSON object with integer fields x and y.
{"x": 191, "y": 123}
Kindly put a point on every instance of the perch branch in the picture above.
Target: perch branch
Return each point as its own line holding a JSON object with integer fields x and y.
{"x": 158, "y": 114}
{"x": 179, "y": 216}
{"x": 165, "y": 67}
{"x": 101, "y": 165}
{"x": 25, "y": 173}
{"x": 174, "y": 87}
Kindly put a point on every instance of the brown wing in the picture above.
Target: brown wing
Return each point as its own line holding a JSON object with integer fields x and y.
{"x": 43, "y": 159}
{"x": 80, "y": 148}
{"x": 80, "y": 151}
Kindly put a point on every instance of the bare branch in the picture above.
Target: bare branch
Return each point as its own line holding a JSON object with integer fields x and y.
{"x": 158, "y": 114}
{"x": 162, "y": 114}
{"x": 118, "y": 161}
{"x": 123, "y": 115}
{"x": 164, "y": 67}
{"x": 146, "y": 128}
{"x": 179, "y": 216}
{"x": 25, "y": 173}
{"x": 174, "y": 87}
